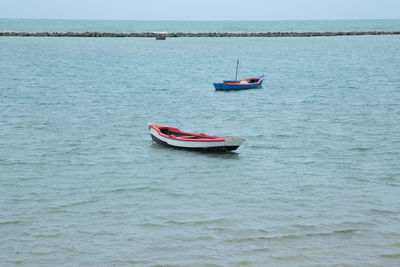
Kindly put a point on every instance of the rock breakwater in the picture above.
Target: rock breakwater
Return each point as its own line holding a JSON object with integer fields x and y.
{"x": 182, "y": 34}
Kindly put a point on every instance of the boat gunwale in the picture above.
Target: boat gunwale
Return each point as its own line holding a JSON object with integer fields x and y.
{"x": 202, "y": 137}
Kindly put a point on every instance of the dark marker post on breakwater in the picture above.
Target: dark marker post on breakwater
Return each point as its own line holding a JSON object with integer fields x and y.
{"x": 206, "y": 34}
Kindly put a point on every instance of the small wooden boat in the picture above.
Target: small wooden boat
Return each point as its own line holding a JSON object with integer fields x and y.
{"x": 161, "y": 35}
{"x": 240, "y": 85}
{"x": 174, "y": 137}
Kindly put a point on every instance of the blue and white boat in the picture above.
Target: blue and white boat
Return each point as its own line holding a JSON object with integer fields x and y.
{"x": 240, "y": 85}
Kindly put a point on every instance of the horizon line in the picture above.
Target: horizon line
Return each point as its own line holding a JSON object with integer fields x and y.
{"x": 201, "y": 20}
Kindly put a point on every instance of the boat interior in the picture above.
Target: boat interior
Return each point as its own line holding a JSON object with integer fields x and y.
{"x": 167, "y": 132}
{"x": 246, "y": 81}
{"x": 181, "y": 135}
{"x": 175, "y": 133}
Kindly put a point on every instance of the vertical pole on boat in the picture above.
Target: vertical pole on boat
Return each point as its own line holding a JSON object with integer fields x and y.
{"x": 237, "y": 66}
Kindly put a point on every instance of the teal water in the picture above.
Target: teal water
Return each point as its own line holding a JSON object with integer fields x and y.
{"x": 51, "y": 25}
{"x": 316, "y": 183}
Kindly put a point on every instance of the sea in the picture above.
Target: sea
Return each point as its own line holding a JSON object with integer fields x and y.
{"x": 317, "y": 182}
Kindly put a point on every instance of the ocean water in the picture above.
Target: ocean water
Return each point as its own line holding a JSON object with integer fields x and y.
{"x": 316, "y": 183}
{"x": 51, "y": 25}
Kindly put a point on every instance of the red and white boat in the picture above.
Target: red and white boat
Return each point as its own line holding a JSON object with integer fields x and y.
{"x": 170, "y": 136}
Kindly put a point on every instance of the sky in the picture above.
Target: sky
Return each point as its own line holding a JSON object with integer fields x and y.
{"x": 201, "y": 9}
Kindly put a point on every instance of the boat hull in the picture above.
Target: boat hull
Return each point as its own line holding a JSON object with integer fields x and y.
{"x": 229, "y": 144}
{"x": 234, "y": 85}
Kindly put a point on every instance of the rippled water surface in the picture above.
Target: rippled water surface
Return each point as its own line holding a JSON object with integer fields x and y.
{"x": 316, "y": 183}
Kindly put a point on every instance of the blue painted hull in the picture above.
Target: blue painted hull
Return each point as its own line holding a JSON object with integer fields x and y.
{"x": 236, "y": 85}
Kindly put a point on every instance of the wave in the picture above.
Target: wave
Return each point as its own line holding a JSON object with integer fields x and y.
{"x": 383, "y": 212}
{"x": 69, "y": 205}
{"x": 199, "y": 222}
{"x": 293, "y": 236}
{"x": 391, "y": 256}
{"x": 360, "y": 149}
{"x": 11, "y": 222}
{"x": 135, "y": 189}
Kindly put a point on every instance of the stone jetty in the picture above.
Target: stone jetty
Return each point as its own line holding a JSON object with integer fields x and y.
{"x": 182, "y": 34}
